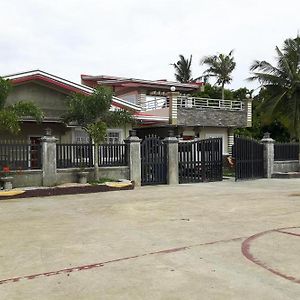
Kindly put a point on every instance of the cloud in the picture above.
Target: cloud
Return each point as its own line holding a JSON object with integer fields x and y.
{"x": 138, "y": 38}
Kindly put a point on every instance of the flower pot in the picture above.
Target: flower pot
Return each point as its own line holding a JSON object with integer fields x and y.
{"x": 7, "y": 182}
{"x": 82, "y": 177}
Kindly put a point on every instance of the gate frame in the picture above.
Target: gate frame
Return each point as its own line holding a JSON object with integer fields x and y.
{"x": 204, "y": 161}
{"x": 248, "y": 154}
{"x": 156, "y": 165}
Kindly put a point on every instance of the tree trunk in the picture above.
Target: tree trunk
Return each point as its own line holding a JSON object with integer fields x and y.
{"x": 96, "y": 161}
{"x": 223, "y": 91}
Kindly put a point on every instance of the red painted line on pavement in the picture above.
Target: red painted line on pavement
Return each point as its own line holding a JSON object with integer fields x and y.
{"x": 246, "y": 246}
{"x": 101, "y": 264}
{"x": 288, "y": 232}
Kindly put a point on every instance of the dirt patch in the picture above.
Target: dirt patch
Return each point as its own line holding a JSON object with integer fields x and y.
{"x": 55, "y": 191}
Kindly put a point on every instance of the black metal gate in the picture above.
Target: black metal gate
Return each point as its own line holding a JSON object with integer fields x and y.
{"x": 249, "y": 158}
{"x": 153, "y": 161}
{"x": 200, "y": 160}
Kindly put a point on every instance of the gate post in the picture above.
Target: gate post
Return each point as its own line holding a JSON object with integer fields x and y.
{"x": 134, "y": 157}
{"x": 268, "y": 143}
{"x": 172, "y": 158}
{"x": 49, "y": 158}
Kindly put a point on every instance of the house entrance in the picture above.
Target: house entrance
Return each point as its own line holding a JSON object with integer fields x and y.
{"x": 153, "y": 161}
{"x": 249, "y": 158}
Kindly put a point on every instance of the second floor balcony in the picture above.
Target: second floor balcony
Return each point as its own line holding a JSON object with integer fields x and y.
{"x": 195, "y": 111}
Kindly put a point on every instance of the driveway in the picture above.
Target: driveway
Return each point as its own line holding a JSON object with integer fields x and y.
{"x": 221, "y": 240}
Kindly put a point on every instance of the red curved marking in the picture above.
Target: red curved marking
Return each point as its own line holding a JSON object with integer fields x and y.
{"x": 246, "y": 252}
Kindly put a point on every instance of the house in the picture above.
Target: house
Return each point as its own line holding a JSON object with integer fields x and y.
{"x": 169, "y": 105}
{"x": 50, "y": 93}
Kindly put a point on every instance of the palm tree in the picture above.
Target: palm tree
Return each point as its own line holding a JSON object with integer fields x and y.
{"x": 93, "y": 114}
{"x": 11, "y": 115}
{"x": 219, "y": 66}
{"x": 282, "y": 82}
{"x": 182, "y": 68}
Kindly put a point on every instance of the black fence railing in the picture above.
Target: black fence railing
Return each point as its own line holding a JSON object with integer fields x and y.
{"x": 286, "y": 151}
{"x": 20, "y": 156}
{"x": 113, "y": 155}
{"x": 74, "y": 155}
{"x": 82, "y": 155}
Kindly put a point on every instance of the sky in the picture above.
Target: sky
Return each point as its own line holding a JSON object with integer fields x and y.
{"x": 138, "y": 38}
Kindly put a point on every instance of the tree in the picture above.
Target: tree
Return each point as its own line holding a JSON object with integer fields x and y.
{"x": 213, "y": 92}
{"x": 282, "y": 86}
{"x": 221, "y": 67}
{"x": 93, "y": 114}
{"x": 182, "y": 68}
{"x": 11, "y": 115}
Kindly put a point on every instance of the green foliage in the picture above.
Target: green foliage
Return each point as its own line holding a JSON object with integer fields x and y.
{"x": 259, "y": 126}
{"x": 5, "y": 88}
{"x": 97, "y": 131}
{"x": 213, "y": 92}
{"x": 281, "y": 84}
{"x": 182, "y": 68}
{"x": 9, "y": 121}
{"x": 221, "y": 67}
{"x": 92, "y": 112}
{"x": 11, "y": 115}
{"x": 86, "y": 109}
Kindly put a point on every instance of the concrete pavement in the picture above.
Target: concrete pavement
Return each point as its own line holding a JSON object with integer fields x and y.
{"x": 221, "y": 240}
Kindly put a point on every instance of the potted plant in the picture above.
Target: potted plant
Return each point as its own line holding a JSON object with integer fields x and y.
{"x": 6, "y": 178}
{"x": 82, "y": 175}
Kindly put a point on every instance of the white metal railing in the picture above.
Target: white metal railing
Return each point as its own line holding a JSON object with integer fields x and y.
{"x": 197, "y": 103}
{"x": 153, "y": 102}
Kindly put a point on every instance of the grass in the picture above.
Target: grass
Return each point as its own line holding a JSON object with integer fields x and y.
{"x": 228, "y": 173}
{"x": 101, "y": 180}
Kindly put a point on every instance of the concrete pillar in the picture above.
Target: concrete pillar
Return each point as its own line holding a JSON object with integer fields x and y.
{"x": 134, "y": 157}
{"x": 49, "y": 159}
{"x": 172, "y": 158}
{"x": 268, "y": 143}
{"x": 172, "y": 96}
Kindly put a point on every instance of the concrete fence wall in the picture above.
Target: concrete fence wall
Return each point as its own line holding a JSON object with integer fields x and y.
{"x": 286, "y": 166}
{"x": 35, "y": 177}
{"x": 273, "y": 166}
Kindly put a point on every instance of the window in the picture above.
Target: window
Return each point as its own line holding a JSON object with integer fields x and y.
{"x": 113, "y": 137}
{"x": 81, "y": 136}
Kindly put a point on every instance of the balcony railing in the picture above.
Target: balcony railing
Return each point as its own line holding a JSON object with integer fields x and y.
{"x": 153, "y": 103}
{"x": 198, "y": 103}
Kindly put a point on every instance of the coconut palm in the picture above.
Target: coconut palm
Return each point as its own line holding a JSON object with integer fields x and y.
{"x": 282, "y": 83}
{"x": 221, "y": 67}
{"x": 11, "y": 115}
{"x": 182, "y": 68}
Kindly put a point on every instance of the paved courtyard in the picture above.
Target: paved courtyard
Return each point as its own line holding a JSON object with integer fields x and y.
{"x": 221, "y": 240}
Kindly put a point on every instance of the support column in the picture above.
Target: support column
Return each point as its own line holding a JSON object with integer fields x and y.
{"x": 172, "y": 96}
{"x": 248, "y": 107}
{"x": 134, "y": 157}
{"x": 268, "y": 143}
{"x": 49, "y": 159}
{"x": 172, "y": 158}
